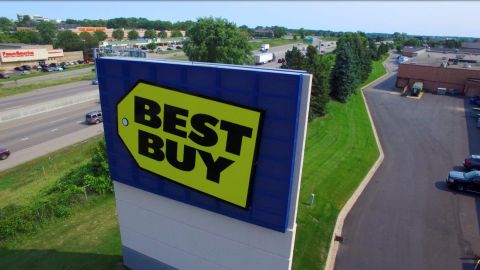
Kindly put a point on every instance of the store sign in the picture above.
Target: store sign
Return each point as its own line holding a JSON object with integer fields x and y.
{"x": 223, "y": 138}
{"x": 55, "y": 53}
{"x": 198, "y": 142}
{"x": 23, "y": 55}
{"x": 92, "y": 29}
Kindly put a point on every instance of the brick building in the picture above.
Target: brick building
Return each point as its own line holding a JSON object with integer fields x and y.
{"x": 17, "y": 54}
{"x": 457, "y": 73}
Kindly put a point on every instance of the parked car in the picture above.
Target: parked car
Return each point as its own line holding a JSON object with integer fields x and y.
{"x": 4, "y": 153}
{"x": 26, "y": 67}
{"x": 462, "y": 181}
{"x": 178, "y": 47}
{"x": 94, "y": 82}
{"x": 52, "y": 65}
{"x": 475, "y": 100}
{"x": 472, "y": 162}
{"x": 4, "y": 76}
{"x": 24, "y": 72}
{"x": 94, "y": 117}
{"x": 19, "y": 68}
{"x": 47, "y": 69}
{"x": 281, "y": 60}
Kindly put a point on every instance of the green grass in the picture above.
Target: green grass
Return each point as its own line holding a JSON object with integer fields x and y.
{"x": 179, "y": 57}
{"x": 169, "y": 51}
{"x": 257, "y": 43}
{"x": 21, "y": 184}
{"x": 39, "y": 73}
{"x": 90, "y": 239}
{"x": 8, "y": 91}
{"x": 334, "y": 143}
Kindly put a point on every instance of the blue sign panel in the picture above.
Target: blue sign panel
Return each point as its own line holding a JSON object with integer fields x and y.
{"x": 218, "y": 137}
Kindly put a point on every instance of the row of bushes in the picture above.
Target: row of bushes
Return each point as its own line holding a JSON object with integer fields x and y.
{"x": 58, "y": 200}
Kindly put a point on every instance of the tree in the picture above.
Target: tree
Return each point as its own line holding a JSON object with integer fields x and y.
{"x": 88, "y": 42}
{"x": 279, "y": 32}
{"x": 118, "y": 34}
{"x": 150, "y": 33}
{"x": 217, "y": 40}
{"x": 176, "y": 33}
{"x": 311, "y": 54}
{"x": 344, "y": 78}
{"x": 382, "y": 50}
{"x": 28, "y": 36}
{"x": 162, "y": 34}
{"x": 151, "y": 46}
{"x": 301, "y": 32}
{"x": 320, "y": 69}
{"x": 100, "y": 35}
{"x": 132, "y": 35}
{"x": 47, "y": 31}
{"x": 294, "y": 59}
{"x": 6, "y": 25}
{"x": 373, "y": 50}
{"x": 68, "y": 41}
{"x": 412, "y": 42}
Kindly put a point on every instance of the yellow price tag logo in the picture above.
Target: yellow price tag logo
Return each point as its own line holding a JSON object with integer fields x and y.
{"x": 205, "y": 144}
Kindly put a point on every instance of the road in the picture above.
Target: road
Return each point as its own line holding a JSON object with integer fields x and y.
{"x": 406, "y": 218}
{"x": 46, "y": 94}
{"x": 49, "y": 76}
{"x": 26, "y": 132}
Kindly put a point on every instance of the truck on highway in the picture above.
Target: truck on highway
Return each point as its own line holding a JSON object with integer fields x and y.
{"x": 264, "y": 47}
{"x": 263, "y": 58}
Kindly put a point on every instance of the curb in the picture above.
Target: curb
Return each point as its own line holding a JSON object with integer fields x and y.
{"x": 337, "y": 231}
{"x": 14, "y": 114}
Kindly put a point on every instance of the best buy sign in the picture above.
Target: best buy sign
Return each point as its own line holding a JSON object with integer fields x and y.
{"x": 205, "y": 144}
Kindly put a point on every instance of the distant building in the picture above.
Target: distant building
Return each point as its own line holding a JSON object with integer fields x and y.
{"x": 413, "y": 51}
{"x": 471, "y": 45}
{"x": 33, "y": 18}
{"x": 17, "y": 54}
{"x": 458, "y": 73}
{"x": 264, "y": 32}
{"x": 20, "y": 28}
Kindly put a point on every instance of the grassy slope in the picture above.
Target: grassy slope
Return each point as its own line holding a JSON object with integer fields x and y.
{"x": 88, "y": 240}
{"x": 20, "y": 184}
{"x": 38, "y": 74}
{"x": 340, "y": 150}
{"x": 8, "y": 91}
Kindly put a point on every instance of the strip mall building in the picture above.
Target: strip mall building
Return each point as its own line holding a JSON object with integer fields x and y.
{"x": 458, "y": 72}
{"x": 13, "y": 55}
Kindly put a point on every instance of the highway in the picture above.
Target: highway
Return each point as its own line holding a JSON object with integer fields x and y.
{"x": 26, "y": 132}
{"x": 51, "y": 129}
{"x": 46, "y": 94}
{"x": 49, "y": 76}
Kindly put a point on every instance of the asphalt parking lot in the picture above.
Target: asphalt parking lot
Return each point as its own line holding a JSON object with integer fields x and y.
{"x": 407, "y": 218}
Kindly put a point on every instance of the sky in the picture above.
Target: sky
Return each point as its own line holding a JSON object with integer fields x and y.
{"x": 417, "y": 18}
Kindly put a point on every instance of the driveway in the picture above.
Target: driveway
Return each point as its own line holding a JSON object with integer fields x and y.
{"x": 406, "y": 218}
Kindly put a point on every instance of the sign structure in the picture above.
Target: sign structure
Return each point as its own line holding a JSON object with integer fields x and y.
{"x": 23, "y": 55}
{"x": 222, "y": 138}
{"x": 204, "y": 144}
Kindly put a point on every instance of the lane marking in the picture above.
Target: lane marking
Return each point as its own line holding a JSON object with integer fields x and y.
{"x": 55, "y": 129}
{"x": 24, "y": 139}
{"x": 58, "y": 120}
